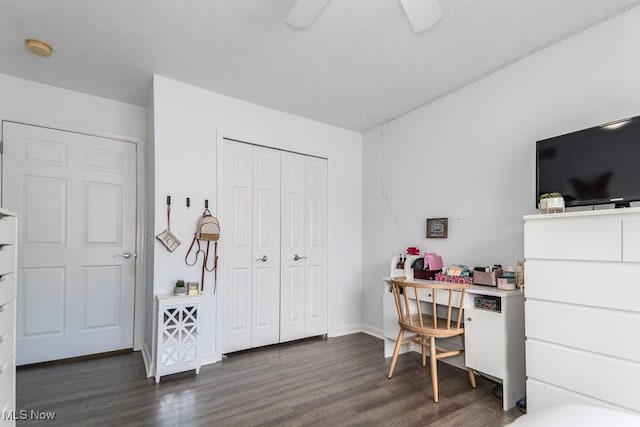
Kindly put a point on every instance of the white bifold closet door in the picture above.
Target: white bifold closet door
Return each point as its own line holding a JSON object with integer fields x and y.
{"x": 250, "y": 290}
{"x": 303, "y": 283}
{"x": 273, "y": 285}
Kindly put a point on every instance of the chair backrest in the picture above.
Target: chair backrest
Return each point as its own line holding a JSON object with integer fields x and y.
{"x": 439, "y": 323}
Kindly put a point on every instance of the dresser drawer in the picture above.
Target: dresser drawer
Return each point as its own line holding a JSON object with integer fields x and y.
{"x": 611, "y": 285}
{"x": 7, "y": 259}
{"x": 589, "y": 328}
{"x": 6, "y": 406}
{"x": 7, "y": 230}
{"x": 607, "y": 378}
{"x": 588, "y": 239}
{"x": 442, "y": 296}
{"x": 6, "y": 346}
{"x": 541, "y": 395}
{"x": 7, "y": 317}
{"x": 7, "y": 384}
{"x": 7, "y": 288}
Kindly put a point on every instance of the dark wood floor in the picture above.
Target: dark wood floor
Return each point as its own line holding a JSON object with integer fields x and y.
{"x": 333, "y": 382}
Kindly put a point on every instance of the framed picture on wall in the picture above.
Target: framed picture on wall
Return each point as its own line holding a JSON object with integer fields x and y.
{"x": 437, "y": 228}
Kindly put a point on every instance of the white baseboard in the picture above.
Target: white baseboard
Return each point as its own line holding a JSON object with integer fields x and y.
{"x": 354, "y": 329}
{"x": 345, "y": 330}
{"x": 148, "y": 360}
{"x": 374, "y": 332}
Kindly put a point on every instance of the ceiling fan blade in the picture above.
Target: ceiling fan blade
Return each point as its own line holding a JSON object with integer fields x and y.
{"x": 422, "y": 14}
{"x": 305, "y": 12}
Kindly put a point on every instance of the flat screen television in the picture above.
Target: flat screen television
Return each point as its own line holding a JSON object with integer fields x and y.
{"x": 592, "y": 166}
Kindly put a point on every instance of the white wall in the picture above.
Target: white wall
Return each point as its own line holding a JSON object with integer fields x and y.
{"x": 36, "y": 103}
{"x": 471, "y": 155}
{"x": 187, "y": 120}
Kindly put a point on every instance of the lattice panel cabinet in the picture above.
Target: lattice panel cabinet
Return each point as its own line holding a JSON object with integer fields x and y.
{"x": 177, "y": 339}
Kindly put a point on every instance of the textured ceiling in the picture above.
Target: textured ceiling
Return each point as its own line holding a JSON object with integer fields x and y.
{"x": 359, "y": 65}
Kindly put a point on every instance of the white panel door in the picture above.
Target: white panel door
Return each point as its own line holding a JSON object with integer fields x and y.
{"x": 237, "y": 246}
{"x": 316, "y": 251}
{"x": 303, "y": 288}
{"x": 75, "y": 197}
{"x": 266, "y": 247}
{"x": 294, "y": 247}
{"x": 251, "y": 213}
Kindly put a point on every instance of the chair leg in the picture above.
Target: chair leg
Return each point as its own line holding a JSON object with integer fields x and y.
{"x": 472, "y": 377}
{"x": 434, "y": 368}
{"x": 396, "y": 350}
{"x": 423, "y": 341}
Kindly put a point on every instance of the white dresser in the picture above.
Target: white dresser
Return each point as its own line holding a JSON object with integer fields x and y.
{"x": 7, "y": 317}
{"x": 582, "y": 308}
{"x": 177, "y": 339}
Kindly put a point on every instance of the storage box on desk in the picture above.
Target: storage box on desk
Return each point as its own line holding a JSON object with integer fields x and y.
{"x": 486, "y": 278}
{"x": 507, "y": 280}
{"x": 453, "y": 279}
{"x": 425, "y": 274}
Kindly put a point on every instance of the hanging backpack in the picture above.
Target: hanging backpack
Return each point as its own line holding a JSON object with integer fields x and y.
{"x": 208, "y": 229}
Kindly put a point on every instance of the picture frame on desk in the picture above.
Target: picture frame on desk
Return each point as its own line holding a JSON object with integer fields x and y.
{"x": 437, "y": 228}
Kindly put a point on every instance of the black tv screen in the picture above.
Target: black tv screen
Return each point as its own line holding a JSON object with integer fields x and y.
{"x": 592, "y": 166}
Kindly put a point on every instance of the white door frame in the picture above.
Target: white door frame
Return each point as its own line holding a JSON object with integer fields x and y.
{"x": 140, "y": 276}
{"x": 220, "y": 135}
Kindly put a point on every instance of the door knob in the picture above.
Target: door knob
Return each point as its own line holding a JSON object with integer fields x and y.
{"x": 296, "y": 257}
{"x": 125, "y": 255}
{"x": 263, "y": 259}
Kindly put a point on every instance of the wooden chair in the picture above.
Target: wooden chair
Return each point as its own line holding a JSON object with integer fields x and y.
{"x": 425, "y": 325}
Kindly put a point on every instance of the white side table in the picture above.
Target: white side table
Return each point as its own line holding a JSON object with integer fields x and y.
{"x": 177, "y": 338}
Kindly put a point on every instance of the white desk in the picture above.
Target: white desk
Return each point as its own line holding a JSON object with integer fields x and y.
{"x": 494, "y": 340}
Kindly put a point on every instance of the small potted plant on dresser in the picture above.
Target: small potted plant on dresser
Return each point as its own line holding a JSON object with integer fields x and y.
{"x": 551, "y": 202}
{"x": 180, "y": 289}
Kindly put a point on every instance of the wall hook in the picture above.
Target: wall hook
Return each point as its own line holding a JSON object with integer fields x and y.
{"x": 206, "y": 203}
{"x": 188, "y": 202}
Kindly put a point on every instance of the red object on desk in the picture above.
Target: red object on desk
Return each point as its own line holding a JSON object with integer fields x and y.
{"x": 413, "y": 250}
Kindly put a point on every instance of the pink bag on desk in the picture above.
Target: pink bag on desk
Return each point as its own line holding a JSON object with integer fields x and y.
{"x": 433, "y": 260}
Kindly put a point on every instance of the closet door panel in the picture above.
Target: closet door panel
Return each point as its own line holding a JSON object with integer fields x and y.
{"x": 293, "y": 251}
{"x": 236, "y": 284}
{"x": 316, "y": 251}
{"x": 266, "y": 247}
